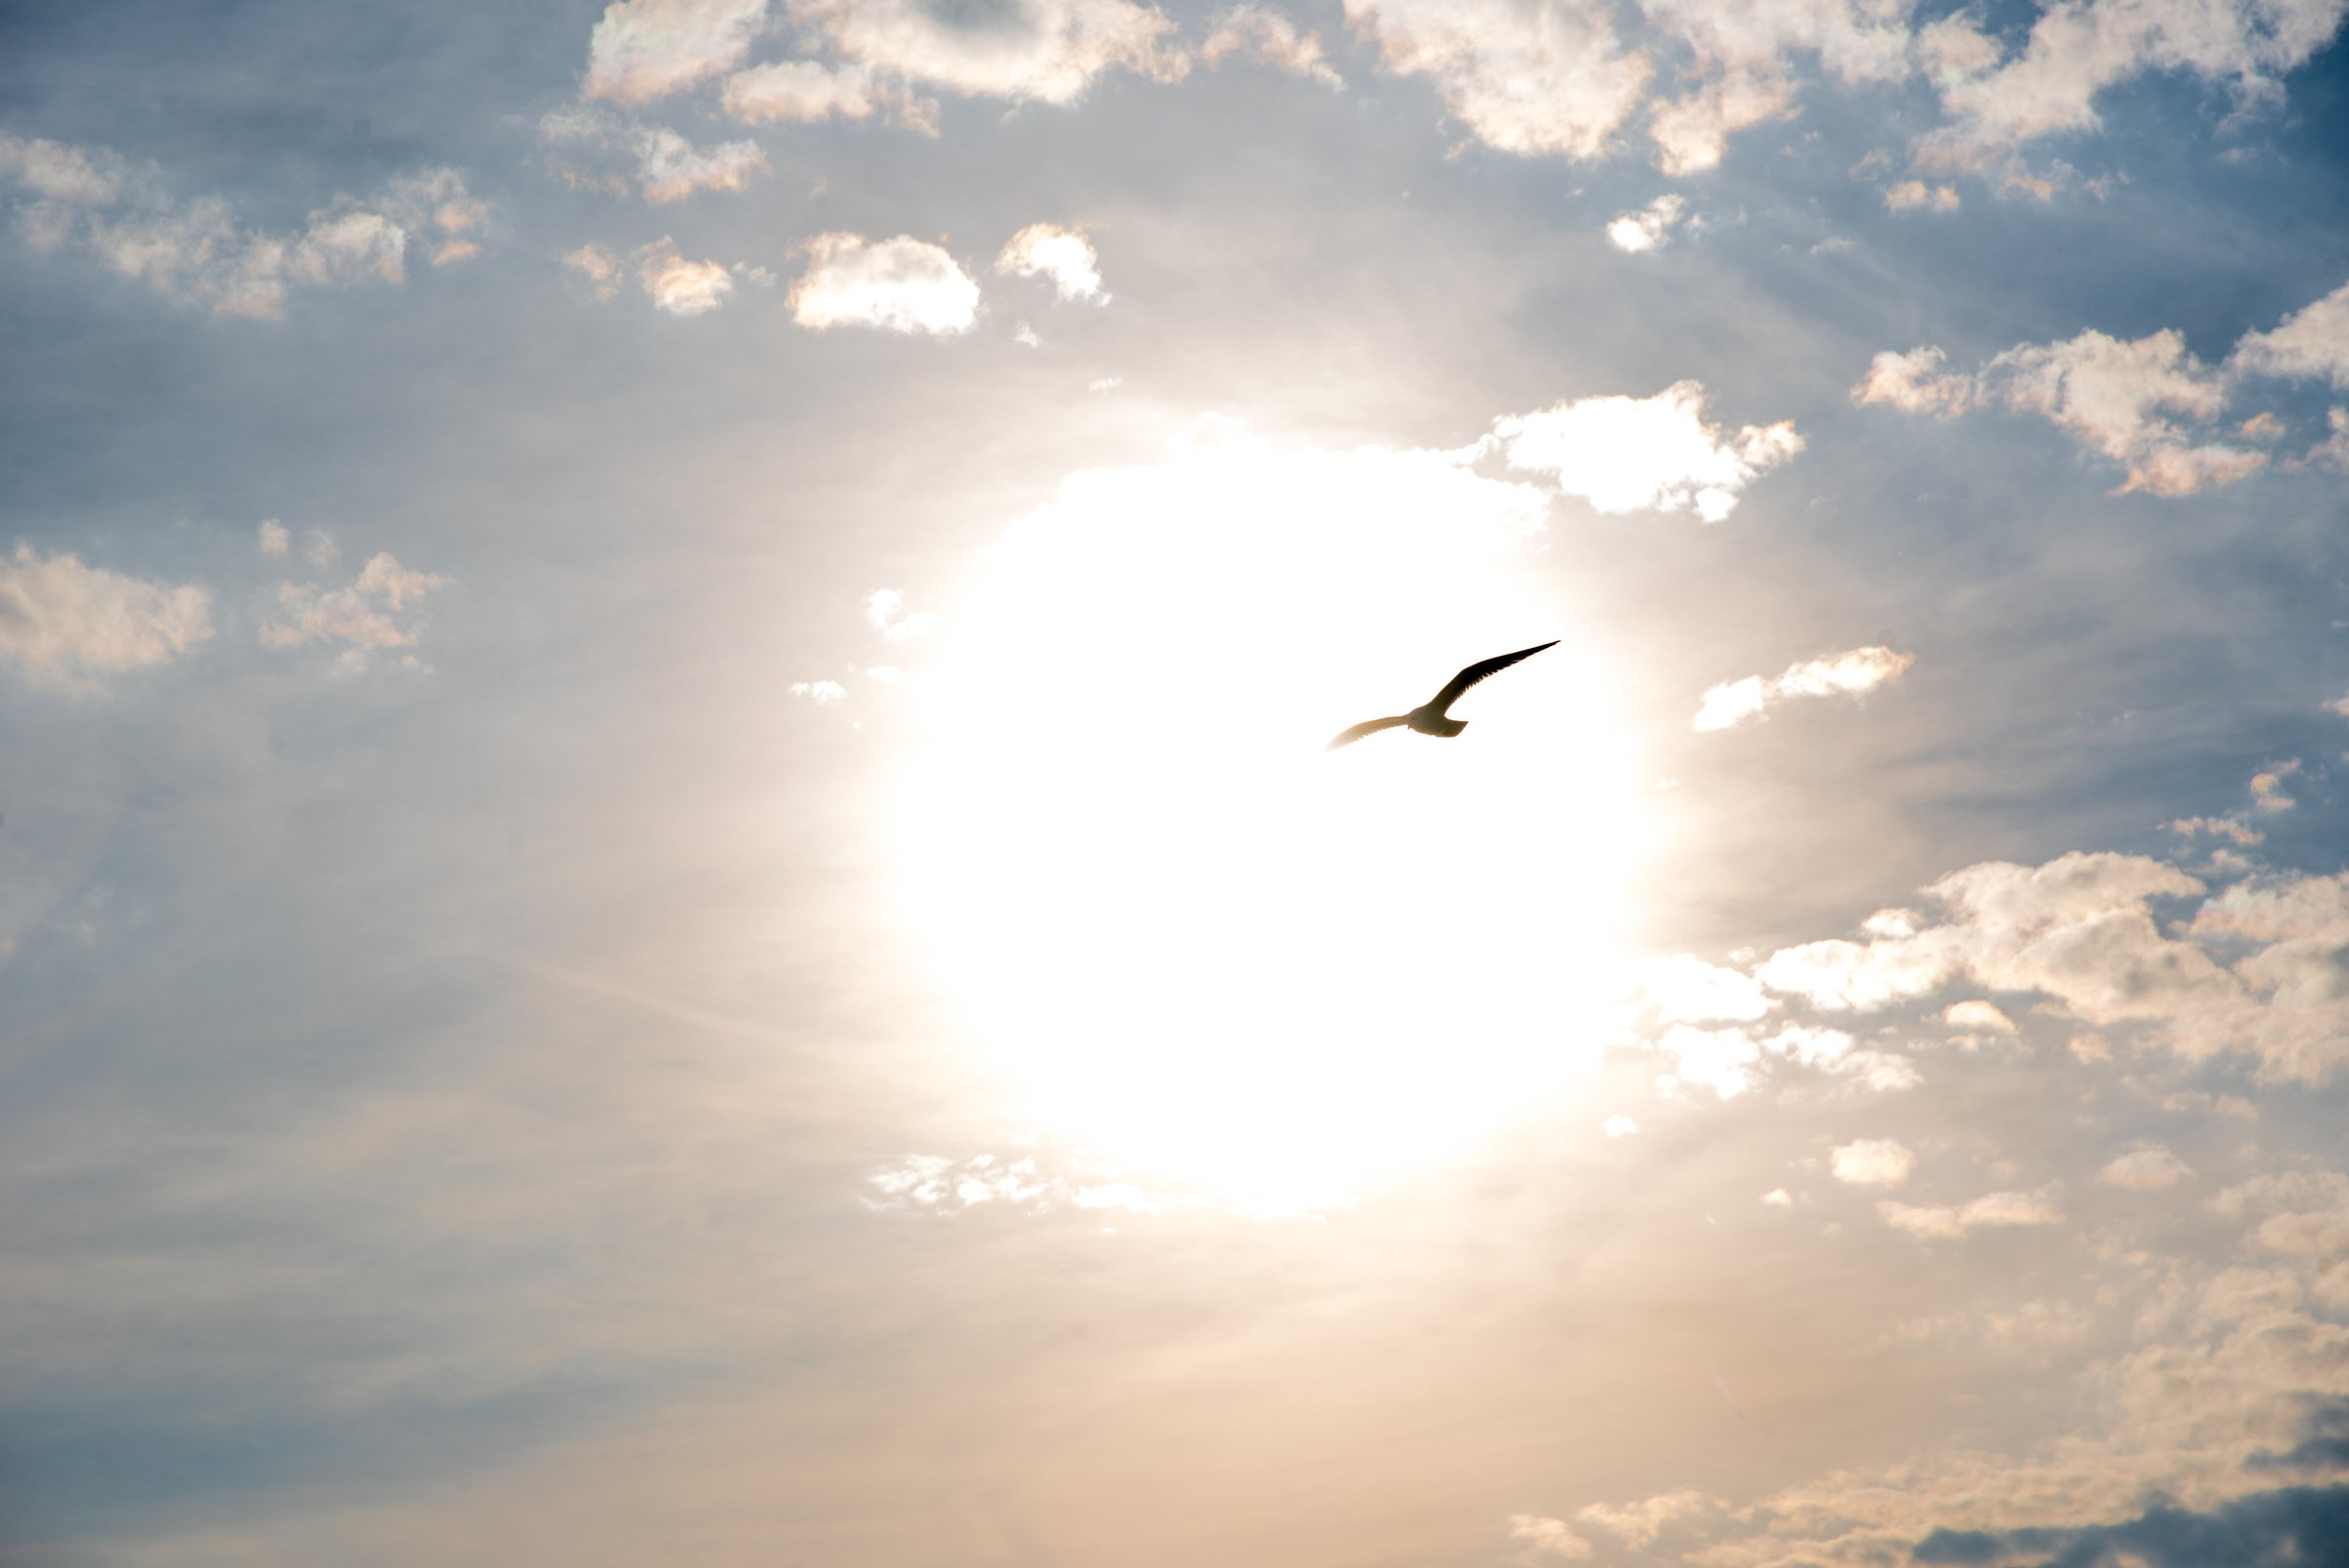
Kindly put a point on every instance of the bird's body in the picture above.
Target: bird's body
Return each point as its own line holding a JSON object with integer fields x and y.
{"x": 1433, "y": 717}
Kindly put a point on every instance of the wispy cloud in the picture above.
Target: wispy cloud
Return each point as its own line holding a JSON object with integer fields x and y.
{"x": 1854, "y": 672}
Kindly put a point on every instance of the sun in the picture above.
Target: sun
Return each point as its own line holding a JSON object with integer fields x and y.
{"x": 1196, "y": 939}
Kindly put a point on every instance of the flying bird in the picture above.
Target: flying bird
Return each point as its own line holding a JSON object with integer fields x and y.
{"x": 1432, "y": 719}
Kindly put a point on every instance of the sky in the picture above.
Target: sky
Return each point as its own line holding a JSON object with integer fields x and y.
{"x": 669, "y": 886}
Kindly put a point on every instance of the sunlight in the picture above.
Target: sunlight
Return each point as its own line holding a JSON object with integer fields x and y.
{"x": 1200, "y": 943}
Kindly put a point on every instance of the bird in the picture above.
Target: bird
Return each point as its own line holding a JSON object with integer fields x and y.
{"x": 1432, "y": 718}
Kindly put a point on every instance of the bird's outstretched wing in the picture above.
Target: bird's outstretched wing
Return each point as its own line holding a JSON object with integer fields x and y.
{"x": 1368, "y": 727}
{"x": 1477, "y": 671}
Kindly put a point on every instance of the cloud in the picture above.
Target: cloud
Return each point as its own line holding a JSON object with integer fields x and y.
{"x": 1908, "y": 195}
{"x": 1631, "y": 453}
{"x": 678, "y": 286}
{"x": 1638, "y": 1525}
{"x": 1048, "y": 51}
{"x": 1619, "y": 1127}
{"x": 1912, "y": 382}
{"x": 2226, "y": 827}
{"x": 2077, "y": 49}
{"x": 1547, "y": 78}
{"x": 92, "y": 201}
{"x": 885, "y": 612}
{"x": 1063, "y": 254}
{"x": 596, "y": 268}
{"x": 2267, "y": 787}
{"x": 1548, "y": 1535}
{"x": 61, "y": 621}
{"x": 1978, "y": 1016}
{"x": 2145, "y": 1170}
{"x": 1257, "y": 32}
{"x": 1994, "y": 1209}
{"x": 642, "y": 50}
{"x": 806, "y": 90}
{"x": 2296, "y": 1525}
{"x": 1873, "y": 1162}
{"x": 1684, "y": 988}
{"x": 821, "y": 692}
{"x": 2106, "y": 392}
{"x": 366, "y": 614}
{"x": 1692, "y": 133}
{"x": 1854, "y": 672}
{"x": 2333, "y": 450}
{"x": 1649, "y": 229}
{"x": 271, "y": 538}
{"x": 900, "y": 285}
{"x": 666, "y": 166}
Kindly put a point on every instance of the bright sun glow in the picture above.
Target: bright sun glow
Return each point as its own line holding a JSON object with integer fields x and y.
{"x": 1200, "y": 943}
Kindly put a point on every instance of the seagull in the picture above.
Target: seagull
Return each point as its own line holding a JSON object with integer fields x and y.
{"x": 1432, "y": 719}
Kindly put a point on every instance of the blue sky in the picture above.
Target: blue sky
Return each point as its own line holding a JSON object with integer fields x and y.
{"x": 667, "y": 883}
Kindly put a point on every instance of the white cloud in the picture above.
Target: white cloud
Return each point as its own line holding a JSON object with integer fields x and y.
{"x": 596, "y": 268}
{"x": 1684, "y": 988}
{"x": 1547, "y": 1535}
{"x": 2310, "y": 343}
{"x": 2078, "y": 48}
{"x": 1854, "y": 672}
{"x": 1619, "y": 1127}
{"x": 1649, "y": 229}
{"x": 885, "y": 612}
{"x": 1257, "y": 32}
{"x": 1873, "y": 1162}
{"x": 365, "y": 615}
{"x": 93, "y": 201}
{"x": 61, "y": 621}
{"x": 271, "y": 538}
{"x": 2106, "y": 393}
{"x": 1977, "y": 1016}
{"x": 900, "y": 285}
{"x": 1778, "y": 1198}
{"x": 1909, "y": 195}
{"x": 1638, "y": 1524}
{"x": 2145, "y": 1170}
{"x": 1912, "y": 382}
{"x": 1632, "y": 454}
{"x": 678, "y": 286}
{"x": 1526, "y": 78}
{"x": 2267, "y": 787}
{"x": 1723, "y": 1061}
{"x": 2226, "y": 827}
{"x": 821, "y": 692}
{"x": 665, "y": 166}
{"x": 1063, "y": 254}
{"x": 1692, "y": 133}
{"x": 1994, "y": 1209}
{"x": 642, "y": 50}
{"x": 805, "y": 91}
{"x": 1049, "y": 51}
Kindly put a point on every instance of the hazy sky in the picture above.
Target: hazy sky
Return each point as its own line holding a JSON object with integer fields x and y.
{"x": 668, "y": 887}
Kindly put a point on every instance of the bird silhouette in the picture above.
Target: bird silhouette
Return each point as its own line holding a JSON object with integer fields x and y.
{"x": 1432, "y": 718}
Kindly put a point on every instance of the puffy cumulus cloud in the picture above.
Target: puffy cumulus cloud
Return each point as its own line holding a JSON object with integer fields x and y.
{"x": 680, "y": 287}
{"x": 1913, "y": 382}
{"x": 663, "y": 164}
{"x": 2078, "y": 48}
{"x": 1063, "y": 254}
{"x": 1260, "y": 33}
{"x": 1684, "y": 988}
{"x": 271, "y": 538}
{"x": 642, "y": 50}
{"x": 2267, "y": 787}
{"x": 1652, "y": 453}
{"x": 1692, "y": 133}
{"x": 899, "y": 285}
{"x": 1639, "y": 1525}
{"x": 597, "y": 269}
{"x": 1544, "y": 1534}
{"x": 1946, "y": 1223}
{"x": 365, "y": 616}
{"x": 1914, "y": 196}
{"x": 92, "y": 201}
{"x": 63, "y": 621}
{"x": 1543, "y": 77}
{"x": 1648, "y": 228}
{"x": 1873, "y": 1162}
{"x": 2145, "y": 1170}
{"x": 2105, "y": 394}
{"x": 806, "y": 90}
{"x": 1854, "y": 672}
{"x": 1977, "y": 1016}
{"x": 2310, "y": 344}
{"x": 2255, "y": 971}
{"x": 886, "y": 613}
{"x": 1048, "y": 51}
{"x": 1729, "y": 1061}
